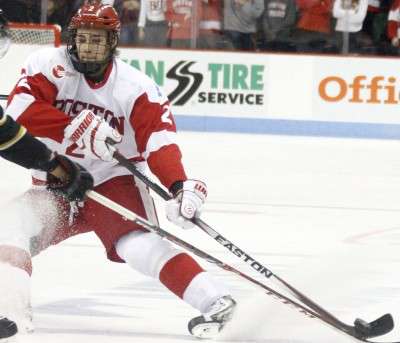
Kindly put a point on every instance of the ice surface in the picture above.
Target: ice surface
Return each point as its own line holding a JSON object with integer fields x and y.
{"x": 324, "y": 214}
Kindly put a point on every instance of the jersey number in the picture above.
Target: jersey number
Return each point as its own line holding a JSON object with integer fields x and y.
{"x": 23, "y": 82}
{"x": 70, "y": 151}
{"x": 166, "y": 116}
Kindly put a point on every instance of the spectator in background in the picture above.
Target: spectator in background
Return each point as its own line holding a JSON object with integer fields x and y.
{"x": 313, "y": 32}
{"x": 152, "y": 24}
{"x": 79, "y": 3}
{"x": 210, "y": 24}
{"x": 240, "y": 22}
{"x": 374, "y": 27}
{"x": 183, "y": 17}
{"x": 21, "y": 11}
{"x": 59, "y": 12}
{"x": 128, "y": 11}
{"x": 76, "y": 5}
{"x": 393, "y": 27}
{"x": 350, "y": 15}
{"x": 277, "y": 24}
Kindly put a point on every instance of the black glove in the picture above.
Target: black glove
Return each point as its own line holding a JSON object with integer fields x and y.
{"x": 77, "y": 182}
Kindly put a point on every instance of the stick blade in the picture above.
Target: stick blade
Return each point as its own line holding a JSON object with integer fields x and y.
{"x": 378, "y": 327}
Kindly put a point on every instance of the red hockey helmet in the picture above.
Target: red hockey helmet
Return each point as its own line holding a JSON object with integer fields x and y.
{"x": 93, "y": 15}
{"x": 96, "y": 16}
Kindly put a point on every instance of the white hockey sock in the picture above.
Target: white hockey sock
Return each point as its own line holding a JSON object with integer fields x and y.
{"x": 149, "y": 254}
{"x": 15, "y": 296}
{"x": 202, "y": 291}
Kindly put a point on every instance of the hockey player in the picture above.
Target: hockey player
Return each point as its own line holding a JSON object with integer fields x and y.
{"x": 70, "y": 96}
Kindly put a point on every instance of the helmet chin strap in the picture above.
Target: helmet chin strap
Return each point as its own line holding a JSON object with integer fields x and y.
{"x": 89, "y": 69}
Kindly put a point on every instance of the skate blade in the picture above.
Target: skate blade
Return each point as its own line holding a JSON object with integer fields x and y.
{"x": 206, "y": 330}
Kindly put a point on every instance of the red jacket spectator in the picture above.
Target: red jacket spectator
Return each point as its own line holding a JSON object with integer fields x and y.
{"x": 180, "y": 14}
{"x": 374, "y": 6}
{"x": 315, "y": 15}
{"x": 211, "y": 16}
{"x": 393, "y": 20}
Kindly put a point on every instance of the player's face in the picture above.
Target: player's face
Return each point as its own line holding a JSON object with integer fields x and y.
{"x": 92, "y": 45}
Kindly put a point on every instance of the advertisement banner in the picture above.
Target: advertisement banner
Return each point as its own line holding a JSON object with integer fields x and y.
{"x": 356, "y": 89}
{"x": 288, "y": 94}
{"x": 206, "y": 83}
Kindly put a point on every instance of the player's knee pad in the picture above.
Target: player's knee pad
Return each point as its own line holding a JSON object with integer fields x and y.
{"x": 145, "y": 252}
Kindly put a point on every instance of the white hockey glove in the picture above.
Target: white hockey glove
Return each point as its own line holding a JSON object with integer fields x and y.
{"x": 93, "y": 135}
{"x": 187, "y": 203}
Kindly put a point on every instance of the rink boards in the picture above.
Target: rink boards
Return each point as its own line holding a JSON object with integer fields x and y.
{"x": 265, "y": 93}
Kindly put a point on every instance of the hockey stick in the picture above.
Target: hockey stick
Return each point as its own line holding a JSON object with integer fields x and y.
{"x": 351, "y": 331}
{"x": 380, "y": 327}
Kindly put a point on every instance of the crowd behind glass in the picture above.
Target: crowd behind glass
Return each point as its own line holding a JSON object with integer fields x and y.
{"x": 319, "y": 26}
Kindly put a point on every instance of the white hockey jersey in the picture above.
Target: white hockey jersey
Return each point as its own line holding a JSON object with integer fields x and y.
{"x": 51, "y": 93}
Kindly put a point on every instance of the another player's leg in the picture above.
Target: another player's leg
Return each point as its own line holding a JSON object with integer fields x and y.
{"x": 15, "y": 262}
{"x": 15, "y": 307}
{"x": 22, "y": 219}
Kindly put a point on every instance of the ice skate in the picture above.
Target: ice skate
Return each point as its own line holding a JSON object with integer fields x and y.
{"x": 211, "y": 323}
{"x": 8, "y": 329}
